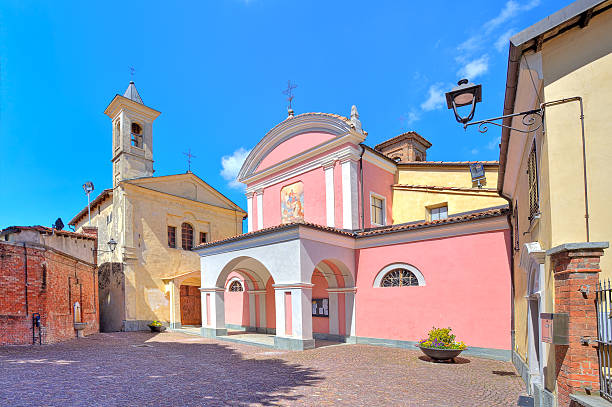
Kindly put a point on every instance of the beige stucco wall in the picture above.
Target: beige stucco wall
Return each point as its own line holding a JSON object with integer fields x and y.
{"x": 140, "y": 217}
{"x": 576, "y": 63}
{"x": 412, "y": 204}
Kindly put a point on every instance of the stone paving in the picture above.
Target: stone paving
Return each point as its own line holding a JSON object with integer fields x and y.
{"x": 175, "y": 369}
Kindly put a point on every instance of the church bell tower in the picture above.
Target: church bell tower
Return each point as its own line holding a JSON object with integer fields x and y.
{"x": 132, "y": 135}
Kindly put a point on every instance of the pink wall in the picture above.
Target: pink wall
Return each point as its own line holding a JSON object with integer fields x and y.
{"x": 236, "y": 304}
{"x": 319, "y": 324}
{"x": 338, "y": 195}
{"x": 289, "y": 148}
{"x": 467, "y": 288}
{"x": 378, "y": 181}
{"x": 314, "y": 198}
{"x": 270, "y": 305}
{"x": 288, "y": 314}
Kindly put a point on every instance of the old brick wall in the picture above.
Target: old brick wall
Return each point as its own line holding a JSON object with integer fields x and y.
{"x": 53, "y": 282}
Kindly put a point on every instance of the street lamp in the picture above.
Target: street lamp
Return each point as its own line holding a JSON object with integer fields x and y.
{"x": 112, "y": 244}
{"x": 465, "y": 93}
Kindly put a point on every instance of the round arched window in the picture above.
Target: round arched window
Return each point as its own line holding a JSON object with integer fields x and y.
{"x": 236, "y": 286}
{"x": 187, "y": 236}
{"x": 399, "y": 278}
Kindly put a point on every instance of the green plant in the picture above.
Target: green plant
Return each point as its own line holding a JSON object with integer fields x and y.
{"x": 441, "y": 338}
{"x": 155, "y": 323}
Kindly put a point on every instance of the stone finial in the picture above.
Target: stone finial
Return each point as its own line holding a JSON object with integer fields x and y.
{"x": 355, "y": 119}
{"x": 289, "y": 113}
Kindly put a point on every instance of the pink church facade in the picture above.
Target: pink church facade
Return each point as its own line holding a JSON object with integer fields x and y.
{"x": 323, "y": 259}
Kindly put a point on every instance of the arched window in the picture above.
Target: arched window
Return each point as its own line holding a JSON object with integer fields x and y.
{"x": 399, "y": 275}
{"x": 235, "y": 286}
{"x": 187, "y": 236}
{"x": 399, "y": 278}
{"x": 136, "y": 135}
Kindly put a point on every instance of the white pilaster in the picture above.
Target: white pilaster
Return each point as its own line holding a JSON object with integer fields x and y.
{"x": 250, "y": 211}
{"x": 259, "y": 197}
{"x": 330, "y": 204}
{"x": 215, "y": 316}
{"x": 350, "y": 196}
{"x": 334, "y": 317}
{"x": 279, "y": 303}
{"x": 349, "y": 303}
{"x": 301, "y": 307}
{"x": 253, "y": 294}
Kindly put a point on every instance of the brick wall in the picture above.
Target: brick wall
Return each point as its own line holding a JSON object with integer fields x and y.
{"x": 53, "y": 282}
{"x": 577, "y": 363}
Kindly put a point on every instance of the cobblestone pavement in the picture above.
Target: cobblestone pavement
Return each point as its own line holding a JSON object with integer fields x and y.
{"x": 174, "y": 369}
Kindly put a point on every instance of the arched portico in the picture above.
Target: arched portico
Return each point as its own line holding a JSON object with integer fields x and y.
{"x": 289, "y": 260}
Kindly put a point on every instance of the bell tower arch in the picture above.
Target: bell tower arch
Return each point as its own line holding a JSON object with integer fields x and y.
{"x": 132, "y": 121}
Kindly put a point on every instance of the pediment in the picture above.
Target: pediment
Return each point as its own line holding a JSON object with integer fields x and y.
{"x": 297, "y": 137}
{"x": 188, "y": 186}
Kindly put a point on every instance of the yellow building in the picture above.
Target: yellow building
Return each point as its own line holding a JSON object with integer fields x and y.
{"x": 428, "y": 190}
{"x": 557, "y": 178}
{"x": 152, "y": 274}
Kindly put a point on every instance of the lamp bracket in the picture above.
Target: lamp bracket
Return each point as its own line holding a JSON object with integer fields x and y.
{"x": 529, "y": 118}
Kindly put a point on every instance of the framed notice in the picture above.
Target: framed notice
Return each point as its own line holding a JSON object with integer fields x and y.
{"x": 320, "y": 307}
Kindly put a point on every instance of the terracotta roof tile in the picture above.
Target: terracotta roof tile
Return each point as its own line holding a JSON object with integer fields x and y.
{"x": 46, "y": 231}
{"x": 448, "y": 163}
{"x": 458, "y": 218}
{"x": 435, "y": 187}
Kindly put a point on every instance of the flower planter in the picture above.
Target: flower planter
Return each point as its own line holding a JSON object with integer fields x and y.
{"x": 156, "y": 328}
{"x": 441, "y": 354}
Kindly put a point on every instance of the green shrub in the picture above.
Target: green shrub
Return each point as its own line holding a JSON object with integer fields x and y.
{"x": 441, "y": 338}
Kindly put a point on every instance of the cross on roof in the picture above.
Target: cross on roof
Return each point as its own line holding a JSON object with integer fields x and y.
{"x": 189, "y": 157}
{"x": 289, "y": 92}
{"x": 132, "y": 71}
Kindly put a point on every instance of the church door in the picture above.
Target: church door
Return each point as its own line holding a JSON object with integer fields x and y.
{"x": 191, "y": 305}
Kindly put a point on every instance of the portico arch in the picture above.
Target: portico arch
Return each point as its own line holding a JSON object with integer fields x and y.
{"x": 334, "y": 294}
{"x": 249, "y": 310}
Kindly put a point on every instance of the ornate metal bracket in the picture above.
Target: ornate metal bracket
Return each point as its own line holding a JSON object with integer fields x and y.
{"x": 530, "y": 118}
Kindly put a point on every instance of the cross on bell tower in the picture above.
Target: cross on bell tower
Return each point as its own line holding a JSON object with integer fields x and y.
{"x": 289, "y": 93}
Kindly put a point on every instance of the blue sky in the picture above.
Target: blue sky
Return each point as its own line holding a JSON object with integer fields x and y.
{"x": 216, "y": 71}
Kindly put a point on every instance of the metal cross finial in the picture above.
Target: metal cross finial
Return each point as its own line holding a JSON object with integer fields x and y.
{"x": 189, "y": 157}
{"x": 132, "y": 71}
{"x": 289, "y": 92}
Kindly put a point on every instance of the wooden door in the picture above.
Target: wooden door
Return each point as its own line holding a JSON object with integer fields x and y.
{"x": 191, "y": 305}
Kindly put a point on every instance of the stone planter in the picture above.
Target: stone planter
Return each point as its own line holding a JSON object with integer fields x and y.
{"x": 440, "y": 354}
{"x": 157, "y": 328}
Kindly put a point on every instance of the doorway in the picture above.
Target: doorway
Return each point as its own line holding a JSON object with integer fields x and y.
{"x": 191, "y": 305}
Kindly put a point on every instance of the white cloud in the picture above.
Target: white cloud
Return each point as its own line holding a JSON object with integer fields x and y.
{"x": 474, "y": 151}
{"x": 435, "y": 100}
{"x": 408, "y": 118}
{"x": 510, "y": 10}
{"x": 231, "y": 165}
{"x": 494, "y": 144}
{"x": 503, "y": 39}
{"x": 474, "y": 68}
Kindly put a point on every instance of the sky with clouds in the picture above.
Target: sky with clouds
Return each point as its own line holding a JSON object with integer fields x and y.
{"x": 216, "y": 71}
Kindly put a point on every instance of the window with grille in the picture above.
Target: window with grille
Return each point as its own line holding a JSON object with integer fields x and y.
{"x": 399, "y": 278}
{"x": 378, "y": 211}
{"x": 187, "y": 236}
{"x": 532, "y": 173}
{"x": 236, "y": 286}
{"x": 438, "y": 213}
{"x": 203, "y": 237}
{"x": 171, "y": 236}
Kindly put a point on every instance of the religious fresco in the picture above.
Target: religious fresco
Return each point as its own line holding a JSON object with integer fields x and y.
{"x": 292, "y": 203}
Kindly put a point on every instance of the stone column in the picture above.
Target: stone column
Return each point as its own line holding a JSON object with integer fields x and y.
{"x": 213, "y": 312}
{"x": 576, "y": 272}
{"x": 294, "y": 311}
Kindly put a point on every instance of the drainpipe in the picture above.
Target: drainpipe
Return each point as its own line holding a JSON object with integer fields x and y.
{"x": 509, "y": 218}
